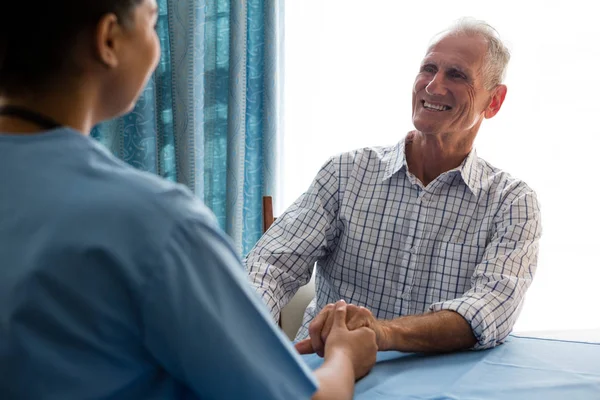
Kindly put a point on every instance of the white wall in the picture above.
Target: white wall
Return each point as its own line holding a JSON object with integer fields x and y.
{"x": 349, "y": 71}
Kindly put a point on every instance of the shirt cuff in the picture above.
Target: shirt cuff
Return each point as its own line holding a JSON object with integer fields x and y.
{"x": 476, "y": 311}
{"x": 265, "y": 293}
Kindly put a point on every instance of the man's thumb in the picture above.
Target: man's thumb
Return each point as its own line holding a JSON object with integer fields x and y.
{"x": 304, "y": 347}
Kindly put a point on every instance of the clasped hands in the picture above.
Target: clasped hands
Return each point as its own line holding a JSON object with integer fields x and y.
{"x": 356, "y": 317}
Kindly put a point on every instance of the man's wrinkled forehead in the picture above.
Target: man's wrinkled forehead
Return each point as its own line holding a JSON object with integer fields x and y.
{"x": 462, "y": 52}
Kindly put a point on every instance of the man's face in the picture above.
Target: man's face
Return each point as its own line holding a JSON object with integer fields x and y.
{"x": 448, "y": 94}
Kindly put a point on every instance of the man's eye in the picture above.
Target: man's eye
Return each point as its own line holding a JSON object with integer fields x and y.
{"x": 457, "y": 75}
{"x": 428, "y": 68}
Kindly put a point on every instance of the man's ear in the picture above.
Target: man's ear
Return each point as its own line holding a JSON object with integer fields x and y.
{"x": 108, "y": 35}
{"x": 498, "y": 95}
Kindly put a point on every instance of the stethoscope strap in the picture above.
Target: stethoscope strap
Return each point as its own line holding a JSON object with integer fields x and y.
{"x": 28, "y": 115}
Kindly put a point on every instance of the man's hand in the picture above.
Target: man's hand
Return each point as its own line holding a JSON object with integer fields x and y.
{"x": 358, "y": 346}
{"x": 356, "y": 317}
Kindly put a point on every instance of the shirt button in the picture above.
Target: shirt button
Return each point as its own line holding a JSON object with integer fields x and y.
{"x": 405, "y": 296}
{"x": 413, "y": 250}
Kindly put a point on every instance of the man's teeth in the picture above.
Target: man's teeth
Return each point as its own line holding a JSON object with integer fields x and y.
{"x": 435, "y": 107}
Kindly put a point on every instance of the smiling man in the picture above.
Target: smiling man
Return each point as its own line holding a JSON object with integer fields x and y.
{"x": 432, "y": 247}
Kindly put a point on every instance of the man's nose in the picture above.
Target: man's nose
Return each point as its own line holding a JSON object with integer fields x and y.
{"x": 436, "y": 86}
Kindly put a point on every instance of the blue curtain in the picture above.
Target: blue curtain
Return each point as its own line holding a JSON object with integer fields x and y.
{"x": 209, "y": 118}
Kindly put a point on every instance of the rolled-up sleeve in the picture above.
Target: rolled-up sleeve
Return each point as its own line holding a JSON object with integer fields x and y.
{"x": 283, "y": 259}
{"x": 506, "y": 271}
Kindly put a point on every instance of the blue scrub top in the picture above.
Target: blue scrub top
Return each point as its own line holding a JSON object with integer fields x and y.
{"x": 117, "y": 284}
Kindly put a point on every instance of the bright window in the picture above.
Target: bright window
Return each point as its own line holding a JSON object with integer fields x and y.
{"x": 349, "y": 70}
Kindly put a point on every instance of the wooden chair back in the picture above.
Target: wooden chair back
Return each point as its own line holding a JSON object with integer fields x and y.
{"x": 268, "y": 218}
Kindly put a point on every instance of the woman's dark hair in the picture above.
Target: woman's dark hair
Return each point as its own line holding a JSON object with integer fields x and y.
{"x": 37, "y": 38}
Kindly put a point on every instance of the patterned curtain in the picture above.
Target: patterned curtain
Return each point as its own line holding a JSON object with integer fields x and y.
{"x": 210, "y": 116}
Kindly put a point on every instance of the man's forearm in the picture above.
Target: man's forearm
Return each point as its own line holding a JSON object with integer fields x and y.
{"x": 435, "y": 332}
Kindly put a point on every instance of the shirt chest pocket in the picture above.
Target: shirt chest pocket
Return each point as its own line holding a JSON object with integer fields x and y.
{"x": 452, "y": 266}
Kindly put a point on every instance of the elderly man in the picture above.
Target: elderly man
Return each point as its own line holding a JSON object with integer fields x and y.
{"x": 432, "y": 247}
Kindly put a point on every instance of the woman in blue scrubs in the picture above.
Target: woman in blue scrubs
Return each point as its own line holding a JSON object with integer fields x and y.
{"x": 115, "y": 283}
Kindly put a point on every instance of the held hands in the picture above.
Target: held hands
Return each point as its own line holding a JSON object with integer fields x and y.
{"x": 358, "y": 346}
{"x": 321, "y": 326}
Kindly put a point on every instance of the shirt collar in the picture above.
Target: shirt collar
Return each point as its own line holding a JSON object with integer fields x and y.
{"x": 468, "y": 172}
{"x": 395, "y": 161}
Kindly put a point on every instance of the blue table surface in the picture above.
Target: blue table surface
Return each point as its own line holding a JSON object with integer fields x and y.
{"x": 521, "y": 368}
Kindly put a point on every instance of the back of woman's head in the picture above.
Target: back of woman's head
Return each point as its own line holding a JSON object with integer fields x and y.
{"x": 38, "y": 37}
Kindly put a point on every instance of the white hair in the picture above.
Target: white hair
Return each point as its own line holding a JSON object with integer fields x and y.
{"x": 497, "y": 56}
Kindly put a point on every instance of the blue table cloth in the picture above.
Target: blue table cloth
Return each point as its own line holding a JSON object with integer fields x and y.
{"x": 522, "y": 368}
